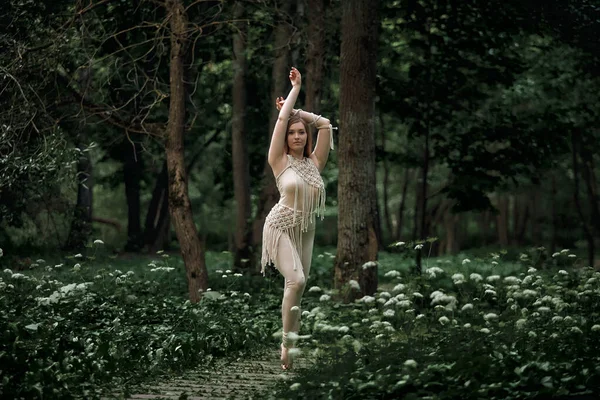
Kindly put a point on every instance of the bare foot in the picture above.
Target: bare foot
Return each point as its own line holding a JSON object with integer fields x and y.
{"x": 286, "y": 360}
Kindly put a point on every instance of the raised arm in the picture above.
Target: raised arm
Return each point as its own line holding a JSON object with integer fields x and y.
{"x": 324, "y": 142}
{"x": 276, "y": 156}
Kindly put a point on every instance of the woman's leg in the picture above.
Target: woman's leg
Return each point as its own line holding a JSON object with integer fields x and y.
{"x": 294, "y": 282}
{"x": 308, "y": 240}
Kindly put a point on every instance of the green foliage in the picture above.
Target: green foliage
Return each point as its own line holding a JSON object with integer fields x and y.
{"x": 466, "y": 329}
{"x": 83, "y": 327}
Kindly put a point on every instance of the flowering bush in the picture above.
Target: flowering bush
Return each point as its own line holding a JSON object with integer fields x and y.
{"x": 108, "y": 328}
{"x": 456, "y": 333}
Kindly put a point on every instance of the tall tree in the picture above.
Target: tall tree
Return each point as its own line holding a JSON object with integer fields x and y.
{"x": 357, "y": 240}
{"x": 239, "y": 147}
{"x": 180, "y": 207}
{"x": 269, "y": 194}
{"x": 315, "y": 55}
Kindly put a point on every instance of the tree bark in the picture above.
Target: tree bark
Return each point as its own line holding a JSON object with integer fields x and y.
{"x": 386, "y": 182}
{"x": 357, "y": 241}
{"x": 132, "y": 175}
{"x": 400, "y": 222}
{"x": 588, "y": 230}
{"x": 502, "y": 220}
{"x": 554, "y": 238}
{"x": 180, "y": 208}
{"x": 81, "y": 224}
{"x": 315, "y": 55}
{"x": 242, "y": 259}
{"x": 157, "y": 211}
{"x": 269, "y": 194}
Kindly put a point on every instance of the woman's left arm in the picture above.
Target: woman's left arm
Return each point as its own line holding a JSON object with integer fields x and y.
{"x": 324, "y": 142}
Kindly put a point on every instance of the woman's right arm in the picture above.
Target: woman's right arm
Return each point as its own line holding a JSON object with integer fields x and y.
{"x": 276, "y": 156}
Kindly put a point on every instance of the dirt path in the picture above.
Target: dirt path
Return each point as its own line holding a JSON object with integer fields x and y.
{"x": 237, "y": 379}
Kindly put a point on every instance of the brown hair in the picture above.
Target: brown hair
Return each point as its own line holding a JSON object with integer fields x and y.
{"x": 308, "y": 147}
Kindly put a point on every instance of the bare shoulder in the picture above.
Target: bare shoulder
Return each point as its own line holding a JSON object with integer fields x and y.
{"x": 278, "y": 164}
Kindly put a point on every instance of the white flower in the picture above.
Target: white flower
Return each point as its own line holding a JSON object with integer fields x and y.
{"x": 564, "y": 251}
{"x": 295, "y": 386}
{"x": 465, "y": 261}
{"x": 389, "y": 313}
{"x": 418, "y": 295}
{"x": 398, "y": 288}
{"x": 404, "y": 303}
{"x": 532, "y": 334}
{"x": 218, "y": 271}
{"x": 98, "y": 241}
{"x": 367, "y": 299}
{"x": 571, "y": 256}
{"x": 325, "y": 297}
{"x": 467, "y": 325}
{"x": 529, "y": 293}
{"x": 420, "y": 316}
{"x": 576, "y": 330}
{"x": 228, "y": 271}
{"x": 392, "y": 274}
{"x": 77, "y": 267}
{"x": 354, "y": 284}
{"x": 563, "y": 272}
{"x": 398, "y": 244}
{"x": 484, "y": 330}
{"x": 443, "y": 320}
{"x": 512, "y": 280}
{"x": 476, "y": 277}
{"x": 544, "y": 309}
{"x": 295, "y": 309}
{"x": 385, "y": 295}
{"x": 531, "y": 270}
{"x": 390, "y": 302}
{"x": 224, "y": 276}
{"x": 458, "y": 277}
{"x": 494, "y": 262}
{"x": 596, "y": 328}
{"x": 490, "y": 292}
{"x": 1, "y": 252}
{"x": 554, "y": 255}
{"x": 314, "y": 289}
{"x": 466, "y": 307}
{"x": 558, "y": 318}
{"x": 520, "y": 323}
{"x": 237, "y": 274}
{"x": 493, "y": 278}
{"x": 369, "y": 264}
{"x": 490, "y": 316}
{"x": 410, "y": 363}
{"x": 418, "y": 247}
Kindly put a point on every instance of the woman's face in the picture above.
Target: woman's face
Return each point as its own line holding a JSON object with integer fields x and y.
{"x": 296, "y": 137}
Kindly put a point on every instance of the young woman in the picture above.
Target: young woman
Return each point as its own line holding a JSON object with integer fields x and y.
{"x": 289, "y": 229}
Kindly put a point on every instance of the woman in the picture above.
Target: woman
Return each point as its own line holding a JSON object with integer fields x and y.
{"x": 289, "y": 229}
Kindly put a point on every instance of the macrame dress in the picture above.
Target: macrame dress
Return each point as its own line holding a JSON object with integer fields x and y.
{"x": 302, "y": 198}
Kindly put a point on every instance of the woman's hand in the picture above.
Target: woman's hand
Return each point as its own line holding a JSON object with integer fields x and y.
{"x": 279, "y": 103}
{"x": 295, "y": 77}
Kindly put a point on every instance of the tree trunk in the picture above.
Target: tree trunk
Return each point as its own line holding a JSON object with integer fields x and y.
{"x": 554, "y": 238}
{"x": 502, "y": 220}
{"x": 132, "y": 175}
{"x": 400, "y": 223}
{"x": 415, "y": 227}
{"x": 269, "y": 194}
{"x": 81, "y": 224}
{"x": 587, "y": 172}
{"x": 315, "y": 54}
{"x": 357, "y": 241}
{"x": 535, "y": 215}
{"x": 386, "y": 182}
{"x": 157, "y": 212}
{"x": 587, "y": 228}
{"x": 242, "y": 259}
{"x": 180, "y": 208}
